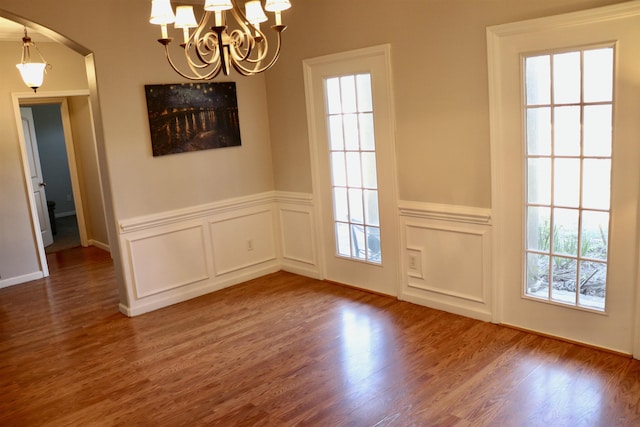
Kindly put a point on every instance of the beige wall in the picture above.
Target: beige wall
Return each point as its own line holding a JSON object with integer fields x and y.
{"x": 86, "y": 157}
{"x": 439, "y": 78}
{"x": 125, "y": 61}
{"x": 127, "y": 57}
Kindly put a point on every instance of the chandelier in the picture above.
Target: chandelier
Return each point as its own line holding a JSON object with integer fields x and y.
{"x": 32, "y": 72}
{"x": 221, "y": 43}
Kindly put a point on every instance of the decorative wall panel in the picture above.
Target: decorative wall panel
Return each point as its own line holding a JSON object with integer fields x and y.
{"x": 447, "y": 258}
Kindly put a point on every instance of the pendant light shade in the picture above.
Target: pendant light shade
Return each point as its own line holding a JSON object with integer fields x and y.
{"x": 277, "y": 5}
{"x": 185, "y": 17}
{"x": 254, "y": 12}
{"x": 218, "y": 5}
{"x": 32, "y": 74}
{"x": 161, "y": 12}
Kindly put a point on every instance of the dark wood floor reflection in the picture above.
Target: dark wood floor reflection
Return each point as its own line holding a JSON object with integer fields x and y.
{"x": 285, "y": 350}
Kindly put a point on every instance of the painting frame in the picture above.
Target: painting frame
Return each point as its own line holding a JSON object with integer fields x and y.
{"x": 187, "y": 117}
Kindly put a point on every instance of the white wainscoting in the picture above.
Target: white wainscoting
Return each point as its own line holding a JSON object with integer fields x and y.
{"x": 168, "y": 259}
{"x": 446, "y": 264}
{"x": 243, "y": 239}
{"x": 173, "y": 256}
{"x": 296, "y": 226}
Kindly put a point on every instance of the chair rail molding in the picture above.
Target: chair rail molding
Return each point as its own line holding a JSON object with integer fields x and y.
{"x": 451, "y": 213}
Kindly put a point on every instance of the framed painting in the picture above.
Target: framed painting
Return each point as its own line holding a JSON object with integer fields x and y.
{"x": 188, "y": 117}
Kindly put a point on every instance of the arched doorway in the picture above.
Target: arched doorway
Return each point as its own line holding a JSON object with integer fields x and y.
{"x": 29, "y": 239}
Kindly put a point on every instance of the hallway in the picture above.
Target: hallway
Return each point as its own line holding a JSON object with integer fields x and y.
{"x": 67, "y": 235}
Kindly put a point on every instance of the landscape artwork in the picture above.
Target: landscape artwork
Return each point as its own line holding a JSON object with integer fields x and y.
{"x": 192, "y": 116}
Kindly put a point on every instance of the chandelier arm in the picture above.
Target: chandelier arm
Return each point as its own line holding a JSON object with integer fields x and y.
{"x": 241, "y": 45}
{"x": 195, "y": 68}
{"x": 245, "y": 71}
{"x": 243, "y": 35}
{"x": 204, "y": 44}
{"x": 241, "y": 19}
{"x": 256, "y": 62}
{"x": 191, "y": 49}
{"x": 202, "y": 47}
{"x": 196, "y": 76}
{"x": 242, "y": 70}
{"x": 244, "y": 53}
{"x": 262, "y": 51}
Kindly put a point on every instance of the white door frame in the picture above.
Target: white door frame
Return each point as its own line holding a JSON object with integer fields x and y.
{"x": 496, "y": 36}
{"x": 383, "y": 51}
{"x": 26, "y": 99}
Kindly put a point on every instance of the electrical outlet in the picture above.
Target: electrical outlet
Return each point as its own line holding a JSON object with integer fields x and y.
{"x": 413, "y": 262}
{"x": 68, "y": 197}
{"x": 249, "y": 245}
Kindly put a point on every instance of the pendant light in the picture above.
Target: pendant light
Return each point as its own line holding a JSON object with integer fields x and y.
{"x": 32, "y": 72}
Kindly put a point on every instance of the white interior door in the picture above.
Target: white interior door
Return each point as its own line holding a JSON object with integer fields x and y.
{"x": 351, "y": 133}
{"x": 565, "y": 108}
{"x": 37, "y": 180}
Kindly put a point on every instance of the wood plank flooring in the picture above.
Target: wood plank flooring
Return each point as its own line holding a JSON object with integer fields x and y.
{"x": 285, "y": 350}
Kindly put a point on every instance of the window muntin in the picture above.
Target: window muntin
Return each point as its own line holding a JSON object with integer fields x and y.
{"x": 353, "y": 167}
{"x": 568, "y": 116}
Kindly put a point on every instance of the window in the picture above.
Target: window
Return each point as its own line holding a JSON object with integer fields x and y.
{"x": 353, "y": 167}
{"x": 568, "y": 138}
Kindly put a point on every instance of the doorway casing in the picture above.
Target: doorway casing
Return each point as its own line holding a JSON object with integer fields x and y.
{"x": 60, "y": 98}
{"x": 617, "y": 329}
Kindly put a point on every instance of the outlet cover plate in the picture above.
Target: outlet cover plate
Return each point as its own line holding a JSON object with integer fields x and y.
{"x": 414, "y": 262}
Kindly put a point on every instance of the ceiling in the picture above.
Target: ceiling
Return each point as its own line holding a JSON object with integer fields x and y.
{"x": 11, "y": 31}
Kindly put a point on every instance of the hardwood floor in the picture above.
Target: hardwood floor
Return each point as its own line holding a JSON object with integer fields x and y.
{"x": 67, "y": 235}
{"x": 285, "y": 350}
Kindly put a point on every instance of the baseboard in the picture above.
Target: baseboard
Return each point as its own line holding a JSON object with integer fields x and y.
{"x": 21, "y": 279}
{"x": 477, "y": 314}
{"x": 310, "y": 271}
{"x": 570, "y": 341}
{"x": 193, "y": 291}
{"x": 100, "y": 245}
{"x": 64, "y": 214}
